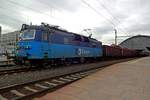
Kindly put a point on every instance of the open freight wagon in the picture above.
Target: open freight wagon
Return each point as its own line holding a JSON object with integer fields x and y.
{"x": 116, "y": 51}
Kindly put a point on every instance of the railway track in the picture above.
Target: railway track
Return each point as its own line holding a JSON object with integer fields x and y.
{"x": 27, "y": 69}
{"x": 17, "y": 70}
{"x": 27, "y": 91}
{"x": 6, "y": 63}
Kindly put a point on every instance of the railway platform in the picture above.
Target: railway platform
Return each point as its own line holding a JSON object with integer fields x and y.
{"x": 124, "y": 81}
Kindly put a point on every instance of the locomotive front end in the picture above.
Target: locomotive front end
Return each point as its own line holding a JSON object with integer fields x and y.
{"x": 24, "y": 47}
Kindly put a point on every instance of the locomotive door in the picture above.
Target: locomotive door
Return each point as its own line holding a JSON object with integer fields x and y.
{"x": 45, "y": 44}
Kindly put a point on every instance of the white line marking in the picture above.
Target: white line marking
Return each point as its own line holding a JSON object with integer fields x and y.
{"x": 134, "y": 61}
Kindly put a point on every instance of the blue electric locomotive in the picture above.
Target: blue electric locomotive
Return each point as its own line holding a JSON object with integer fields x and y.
{"x": 50, "y": 44}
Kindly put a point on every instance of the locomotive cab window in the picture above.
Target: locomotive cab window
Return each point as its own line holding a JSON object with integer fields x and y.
{"x": 27, "y": 35}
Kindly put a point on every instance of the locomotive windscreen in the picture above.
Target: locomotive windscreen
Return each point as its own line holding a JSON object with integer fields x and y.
{"x": 27, "y": 35}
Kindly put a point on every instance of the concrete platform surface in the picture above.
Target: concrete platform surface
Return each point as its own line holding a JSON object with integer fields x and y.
{"x": 124, "y": 81}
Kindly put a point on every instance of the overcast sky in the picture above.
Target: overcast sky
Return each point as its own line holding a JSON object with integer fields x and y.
{"x": 129, "y": 17}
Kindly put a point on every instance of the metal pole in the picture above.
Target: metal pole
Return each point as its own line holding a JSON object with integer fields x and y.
{"x": 0, "y": 31}
{"x": 115, "y": 36}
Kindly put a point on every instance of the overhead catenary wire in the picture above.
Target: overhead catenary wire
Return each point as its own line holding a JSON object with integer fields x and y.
{"x": 108, "y": 20}
{"x": 30, "y": 8}
{"x": 15, "y": 19}
{"x": 103, "y": 5}
{"x": 95, "y": 10}
{"x": 12, "y": 18}
{"x": 21, "y": 5}
{"x": 52, "y": 4}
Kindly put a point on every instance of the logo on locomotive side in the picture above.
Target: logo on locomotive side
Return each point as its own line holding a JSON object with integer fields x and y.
{"x": 81, "y": 51}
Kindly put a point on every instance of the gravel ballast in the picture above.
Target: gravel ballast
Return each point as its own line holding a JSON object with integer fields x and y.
{"x": 26, "y": 77}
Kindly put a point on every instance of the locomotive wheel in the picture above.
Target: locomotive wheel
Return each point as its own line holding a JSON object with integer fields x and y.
{"x": 82, "y": 60}
{"x": 18, "y": 61}
{"x": 66, "y": 62}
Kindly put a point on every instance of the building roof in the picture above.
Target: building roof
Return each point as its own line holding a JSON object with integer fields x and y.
{"x": 139, "y": 42}
{"x": 137, "y": 36}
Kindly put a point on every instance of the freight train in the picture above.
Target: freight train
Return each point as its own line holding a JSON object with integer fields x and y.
{"x": 118, "y": 52}
{"x": 49, "y": 44}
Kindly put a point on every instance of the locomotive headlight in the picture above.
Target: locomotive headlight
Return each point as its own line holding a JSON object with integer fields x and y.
{"x": 27, "y": 47}
{"x": 17, "y": 47}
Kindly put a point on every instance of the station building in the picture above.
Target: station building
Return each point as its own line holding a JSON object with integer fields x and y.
{"x": 8, "y": 42}
{"x": 139, "y": 42}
